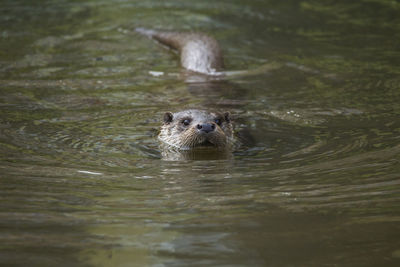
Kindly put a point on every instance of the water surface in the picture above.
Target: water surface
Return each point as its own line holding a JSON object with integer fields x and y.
{"x": 83, "y": 181}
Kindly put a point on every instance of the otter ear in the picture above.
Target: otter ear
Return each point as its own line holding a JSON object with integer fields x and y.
{"x": 168, "y": 117}
{"x": 227, "y": 117}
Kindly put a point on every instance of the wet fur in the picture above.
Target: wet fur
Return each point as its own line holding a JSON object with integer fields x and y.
{"x": 198, "y": 51}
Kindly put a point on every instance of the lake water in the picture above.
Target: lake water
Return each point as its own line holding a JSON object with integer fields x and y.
{"x": 83, "y": 181}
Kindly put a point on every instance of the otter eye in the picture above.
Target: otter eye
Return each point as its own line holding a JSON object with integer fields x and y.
{"x": 186, "y": 122}
{"x": 218, "y": 121}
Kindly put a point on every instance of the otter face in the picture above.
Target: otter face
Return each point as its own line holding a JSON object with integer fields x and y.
{"x": 193, "y": 128}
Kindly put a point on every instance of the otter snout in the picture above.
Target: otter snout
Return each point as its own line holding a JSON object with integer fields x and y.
{"x": 206, "y": 127}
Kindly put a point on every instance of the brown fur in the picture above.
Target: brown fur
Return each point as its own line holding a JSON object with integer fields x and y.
{"x": 198, "y": 51}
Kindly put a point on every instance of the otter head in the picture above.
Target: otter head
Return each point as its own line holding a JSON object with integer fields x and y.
{"x": 193, "y": 128}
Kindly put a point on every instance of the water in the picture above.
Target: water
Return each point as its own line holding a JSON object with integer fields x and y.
{"x": 83, "y": 181}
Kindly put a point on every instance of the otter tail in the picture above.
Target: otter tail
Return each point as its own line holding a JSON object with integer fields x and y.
{"x": 199, "y": 52}
{"x": 173, "y": 40}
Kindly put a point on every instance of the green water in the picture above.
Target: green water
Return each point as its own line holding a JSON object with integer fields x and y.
{"x": 83, "y": 181}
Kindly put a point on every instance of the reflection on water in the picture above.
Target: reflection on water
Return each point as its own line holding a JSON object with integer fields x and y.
{"x": 313, "y": 89}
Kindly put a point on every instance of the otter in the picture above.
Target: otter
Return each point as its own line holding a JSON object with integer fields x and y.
{"x": 194, "y": 128}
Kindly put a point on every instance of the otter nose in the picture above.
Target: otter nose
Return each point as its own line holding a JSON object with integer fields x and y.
{"x": 206, "y": 127}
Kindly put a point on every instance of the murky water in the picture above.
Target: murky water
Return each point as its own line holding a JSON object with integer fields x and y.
{"x": 316, "y": 181}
